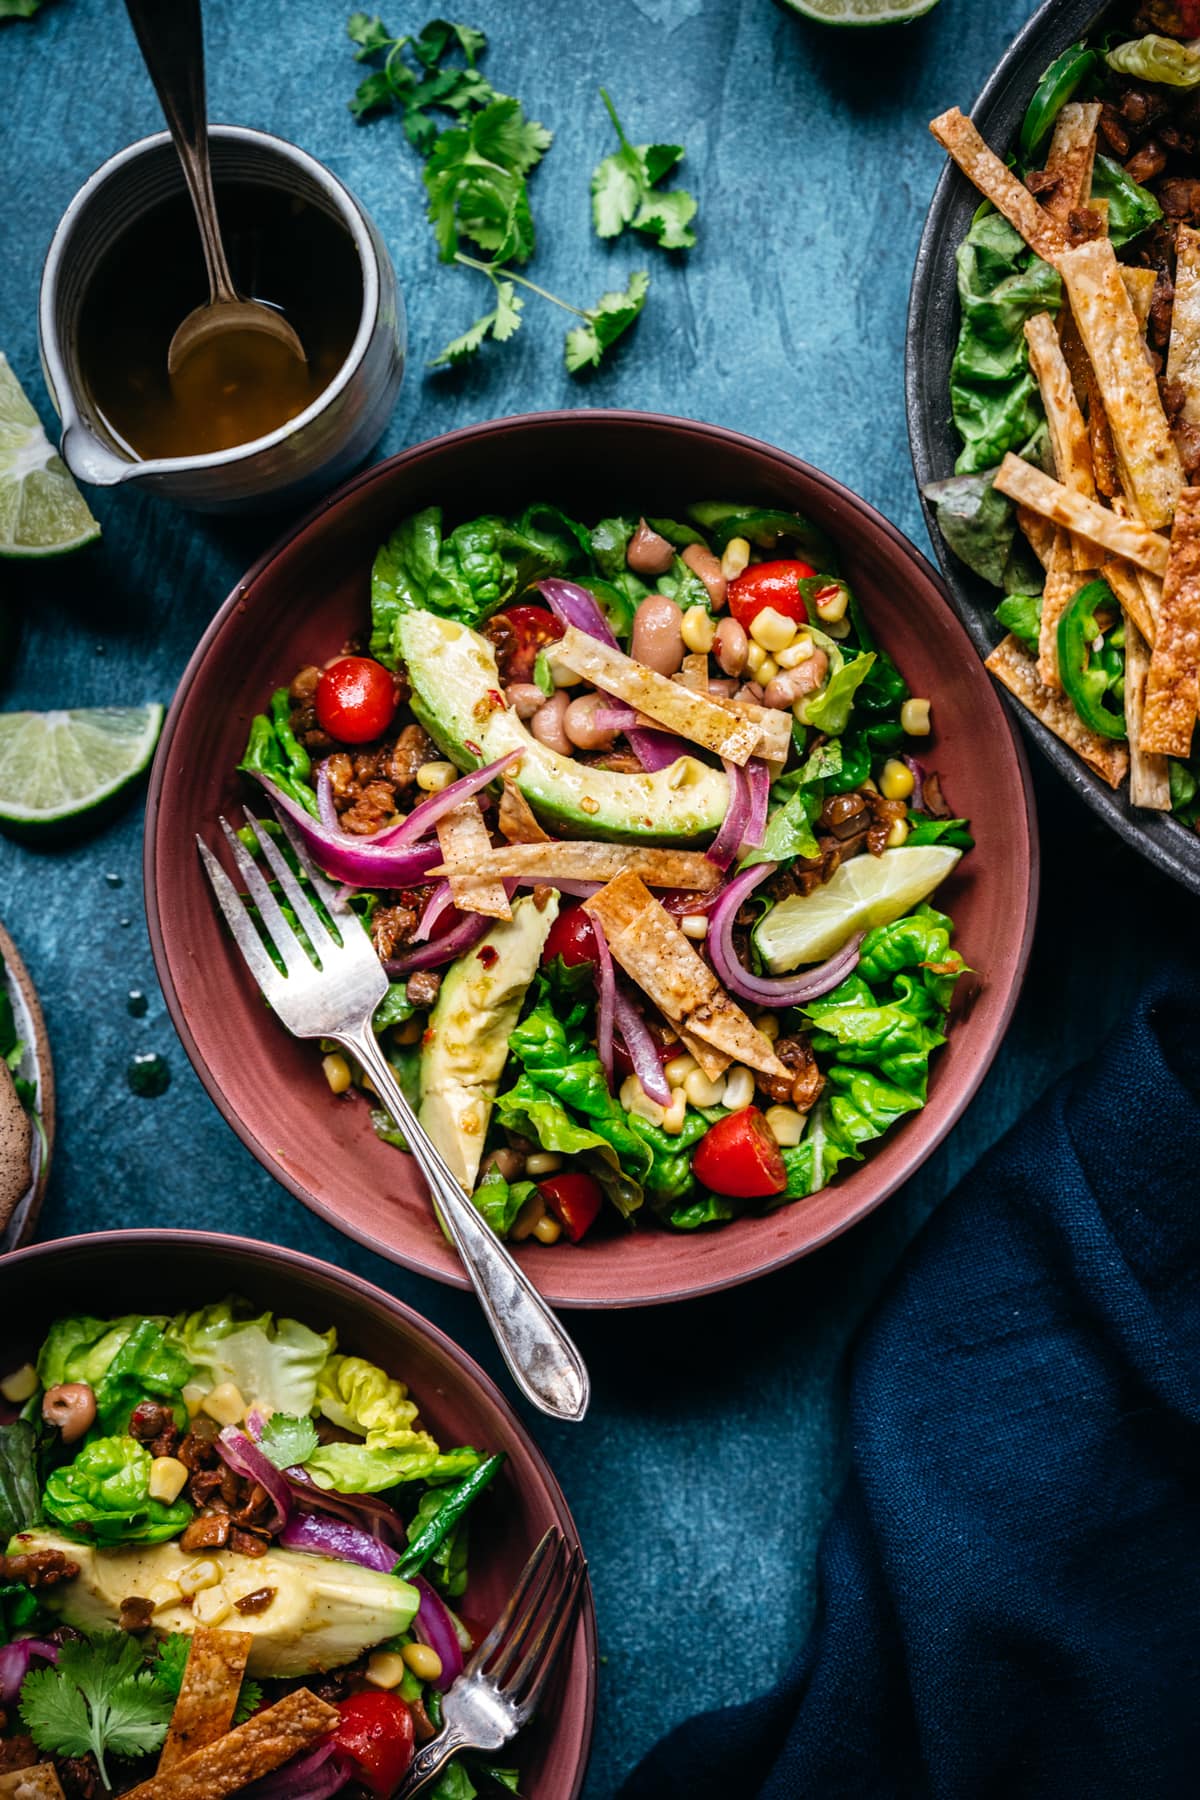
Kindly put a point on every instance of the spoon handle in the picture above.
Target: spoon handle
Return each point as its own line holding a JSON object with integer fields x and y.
{"x": 170, "y": 37}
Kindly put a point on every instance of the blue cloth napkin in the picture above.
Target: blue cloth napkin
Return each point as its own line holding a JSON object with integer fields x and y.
{"x": 1009, "y": 1590}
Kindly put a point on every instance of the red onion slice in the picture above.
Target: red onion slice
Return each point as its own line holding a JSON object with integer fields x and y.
{"x": 316, "y": 1776}
{"x": 643, "y": 1051}
{"x": 656, "y": 749}
{"x": 425, "y": 816}
{"x": 757, "y": 779}
{"x": 441, "y": 898}
{"x": 245, "y": 1458}
{"x": 337, "y": 1538}
{"x": 434, "y": 1626}
{"x": 353, "y": 860}
{"x": 443, "y": 949}
{"x": 614, "y": 718}
{"x": 575, "y": 606}
{"x": 917, "y": 769}
{"x": 728, "y": 840}
{"x": 782, "y": 990}
{"x": 368, "y": 1511}
{"x": 326, "y": 810}
{"x": 14, "y": 1664}
{"x": 606, "y": 983}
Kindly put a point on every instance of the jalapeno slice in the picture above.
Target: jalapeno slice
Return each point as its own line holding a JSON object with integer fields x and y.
{"x": 1091, "y": 660}
{"x": 1060, "y": 81}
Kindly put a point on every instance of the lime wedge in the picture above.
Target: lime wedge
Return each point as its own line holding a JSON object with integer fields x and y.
{"x": 42, "y": 512}
{"x": 865, "y": 892}
{"x": 862, "y": 12}
{"x": 57, "y": 765}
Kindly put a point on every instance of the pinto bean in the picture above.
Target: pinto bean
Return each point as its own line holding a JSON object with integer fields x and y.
{"x": 525, "y": 698}
{"x": 790, "y": 685}
{"x": 547, "y": 723}
{"x": 580, "y": 725}
{"x": 703, "y": 563}
{"x": 731, "y": 646}
{"x": 72, "y": 1407}
{"x": 510, "y": 1163}
{"x": 657, "y": 640}
{"x": 648, "y": 553}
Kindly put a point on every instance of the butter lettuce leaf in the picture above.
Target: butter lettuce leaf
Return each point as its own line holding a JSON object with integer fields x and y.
{"x": 20, "y": 1488}
{"x": 993, "y": 394}
{"x": 354, "y": 1469}
{"x": 1159, "y": 59}
{"x": 360, "y": 1397}
{"x": 274, "y": 1361}
{"x": 829, "y": 709}
{"x": 1131, "y": 208}
{"x": 104, "y": 1496}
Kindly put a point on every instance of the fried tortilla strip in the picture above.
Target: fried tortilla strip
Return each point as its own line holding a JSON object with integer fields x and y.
{"x": 1149, "y": 778}
{"x": 517, "y": 819}
{"x": 1069, "y": 443}
{"x": 1173, "y": 684}
{"x": 693, "y": 674}
{"x": 1085, "y": 518}
{"x": 1072, "y": 158}
{"x": 713, "y": 1063}
{"x": 1087, "y": 393}
{"x": 212, "y": 1681}
{"x": 1183, "y": 355}
{"x": 693, "y": 716}
{"x": 577, "y": 860}
{"x": 1063, "y": 582}
{"x": 959, "y": 138}
{"x": 650, "y": 947}
{"x": 464, "y": 843}
{"x": 37, "y": 1782}
{"x": 1017, "y": 671}
{"x": 1151, "y": 471}
{"x": 262, "y": 1744}
{"x": 1122, "y": 578}
{"x": 1140, "y": 285}
{"x": 1040, "y": 533}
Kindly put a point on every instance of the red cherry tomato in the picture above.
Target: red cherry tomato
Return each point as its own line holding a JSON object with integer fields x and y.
{"x": 533, "y": 628}
{"x": 769, "y": 584}
{"x": 574, "y": 1200}
{"x": 738, "y": 1156}
{"x": 376, "y": 1732}
{"x": 573, "y": 937}
{"x": 356, "y": 700}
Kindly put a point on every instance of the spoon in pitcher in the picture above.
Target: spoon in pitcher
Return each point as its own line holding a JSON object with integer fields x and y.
{"x": 170, "y": 37}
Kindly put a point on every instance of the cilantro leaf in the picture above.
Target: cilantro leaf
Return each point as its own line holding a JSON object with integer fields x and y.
{"x": 167, "y": 1669}
{"x": 500, "y": 324}
{"x": 623, "y": 191}
{"x": 612, "y": 315}
{"x": 18, "y": 9}
{"x": 287, "y": 1440}
{"x": 97, "y": 1698}
{"x": 667, "y": 218}
{"x": 370, "y": 34}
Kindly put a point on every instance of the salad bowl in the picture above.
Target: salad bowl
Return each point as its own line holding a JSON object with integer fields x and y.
{"x": 309, "y": 594}
{"x": 193, "y": 1275}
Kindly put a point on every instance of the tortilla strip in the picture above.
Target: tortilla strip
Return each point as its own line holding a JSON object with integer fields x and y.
{"x": 1013, "y": 666}
{"x": 959, "y": 138}
{"x": 774, "y": 729}
{"x": 645, "y": 940}
{"x": 1149, "y": 778}
{"x": 1183, "y": 355}
{"x": 1173, "y": 684}
{"x": 1069, "y": 442}
{"x": 1063, "y": 582}
{"x": 1087, "y": 393}
{"x": 516, "y": 818}
{"x": 1072, "y": 158}
{"x": 464, "y": 843}
{"x": 1086, "y": 518}
{"x": 693, "y": 674}
{"x": 1040, "y": 533}
{"x": 1152, "y": 473}
{"x": 262, "y": 1744}
{"x": 693, "y": 716}
{"x": 1122, "y": 578}
{"x": 212, "y": 1681}
{"x": 584, "y": 861}
{"x": 1140, "y": 285}
{"x": 36, "y": 1782}
{"x": 713, "y": 1063}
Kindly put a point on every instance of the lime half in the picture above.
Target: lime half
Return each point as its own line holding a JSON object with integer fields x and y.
{"x": 862, "y": 12}
{"x": 57, "y": 765}
{"x": 865, "y": 892}
{"x": 42, "y": 512}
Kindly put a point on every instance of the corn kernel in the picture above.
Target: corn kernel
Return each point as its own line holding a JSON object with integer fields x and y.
{"x": 756, "y": 656}
{"x": 837, "y": 628}
{"x": 542, "y": 1162}
{"x": 560, "y": 675}
{"x": 701, "y": 1091}
{"x": 385, "y": 1668}
{"x": 674, "y": 1115}
{"x": 768, "y": 1024}
{"x": 548, "y": 1230}
{"x": 21, "y": 1385}
{"x": 773, "y": 630}
{"x": 526, "y": 1221}
{"x": 897, "y": 835}
{"x": 194, "y": 1396}
{"x": 739, "y": 1087}
{"x": 337, "y": 1072}
{"x": 798, "y": 651}
{"x": 768, "y": 669}
{"x": 676, "y": 1072}
{"x": 785, "y": 1125}
{"x": 896, "y": 781}
{"x": 634, "y": 1099}
{"x": 914, "y": 718}
{"x": 698, "y": 630}
{"x": 168, "y": 1478}
{"x": 831, "y": 603}
{"x": 436, "y": 777}
{"x": 224, "y": 1404}
{"x": 164, "y": 1594}
{"x": 211, "y": 1606}
{"x": 423, "y": 1660}
{"x": 735, "y": 557}
{"x": 199, "y": 1576}
{"x": 694, "y": 925}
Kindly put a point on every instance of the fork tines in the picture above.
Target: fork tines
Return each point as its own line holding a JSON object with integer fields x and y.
{"x": 520, "y": 1650}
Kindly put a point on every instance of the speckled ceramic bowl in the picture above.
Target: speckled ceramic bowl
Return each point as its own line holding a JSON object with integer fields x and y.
{"x": 297, "y": 605}
{"x": 119, "y": 1272}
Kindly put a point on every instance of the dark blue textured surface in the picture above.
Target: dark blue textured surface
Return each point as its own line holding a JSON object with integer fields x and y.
{"x": 710, "y": 1460}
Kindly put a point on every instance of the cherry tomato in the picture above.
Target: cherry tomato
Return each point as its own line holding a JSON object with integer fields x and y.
{"x": 356, "y": 700}
{"x": 574, "y": 1200}
{"x": 738, "y": 1156}
{"x": 573, "y": 937}
{"x": 769, "y": 584}
{"x": 376, "y": 1732}
{"x": 533, "y": 628}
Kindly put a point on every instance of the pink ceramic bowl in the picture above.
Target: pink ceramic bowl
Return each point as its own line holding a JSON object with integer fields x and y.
{"x": 116, "y": 1272}
{"x": 297, "y": 605}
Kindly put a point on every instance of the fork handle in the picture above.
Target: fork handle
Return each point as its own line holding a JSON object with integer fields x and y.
{"x": 430, "y": 1760}
{"x": 544, "y": 1361}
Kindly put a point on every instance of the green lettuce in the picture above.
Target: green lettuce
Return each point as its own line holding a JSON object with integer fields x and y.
{"x": 500, "y": 1201}
{"x": 274, "y": 751}
{"x": 1022, "y": 615}
{"x": 104, "y": 1496}
{"x": 447, "y": 1567}
{"x": 354, "y": 1469}
{"x": 358, "y": 1396}
{"x": 81, "y": 1348}
{"x": 146, "y": 1367}
{"x": 789, "y": 830}
{"x": 20, "y": 1488}
{"x": 993, "y": 394}
{"x": 1158, "y": 59}
{"x": 829, "y": 709}
{"x": 1131, "y": 209}
{"x": 274, "y": 1361}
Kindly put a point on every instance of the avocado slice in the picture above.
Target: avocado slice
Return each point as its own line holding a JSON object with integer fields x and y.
{"x": 456, "y": 696}
{"x": 322, "y": 1613}
{"x": 465, "y": 1045}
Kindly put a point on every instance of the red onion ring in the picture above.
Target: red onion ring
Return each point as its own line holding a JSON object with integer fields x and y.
{"x": 728, "y": 840}
{"x": 614, "y": 718}
{"x": 424, "y": 816}
{"x": 443, "y": 949}
{"x": 352, "y": 860}
{"x": 782, "y": 990}
{"x": 366, "y": 1510}
{"x": 441, "y": 898}
{"x": 245, "y": 1458}
{"x": 917, "y": 770}
{"x": 434, "y": 1626}
{"x": 337, "y": 1538}
{"x": 606, "y": 983}
{"x": 643, "y": 1051}
{"x": 757, "y": 779}
{"x": 14, "y": 1664}
{"x": 326, "y": 810}
{"x": 316, "y": 1776}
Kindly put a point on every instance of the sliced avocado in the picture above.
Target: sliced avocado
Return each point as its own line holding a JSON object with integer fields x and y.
{"x": 456, "y": 695}
{"x": 465, "y": 1045}
{"x": 322, "y": 1613}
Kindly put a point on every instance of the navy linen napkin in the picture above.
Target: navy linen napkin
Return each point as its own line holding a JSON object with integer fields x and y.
{"x": 1009, "y": 1590}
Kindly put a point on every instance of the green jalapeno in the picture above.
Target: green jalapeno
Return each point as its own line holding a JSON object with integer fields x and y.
{"x": 1091, "y": 661}
{"x": 1060, "y": 81}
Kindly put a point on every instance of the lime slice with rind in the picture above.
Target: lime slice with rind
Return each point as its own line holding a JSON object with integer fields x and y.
{"x": 862, "y": 12}
{"x": 59, "y": 765}
{"x": 42, "y": 512}
{"x": 865, "y": 892}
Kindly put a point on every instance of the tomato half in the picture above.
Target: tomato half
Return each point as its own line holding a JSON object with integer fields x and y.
{"x": 376, "y": 1732}
{"x": 356, "y": 700}
{"x": 574, "y": 1199}
{"x": 533, "y": 627}
{"x": 738, "y": 1156}
{"x": 573, "y": 937}
{"x": 769, "y": 584}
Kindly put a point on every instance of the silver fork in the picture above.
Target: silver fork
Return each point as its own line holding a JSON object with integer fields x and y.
{"x": 337, "y": 1000}
{"x": 496, "y": 1694}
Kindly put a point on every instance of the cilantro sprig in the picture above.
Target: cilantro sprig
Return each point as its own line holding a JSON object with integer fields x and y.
{"x": 625, "y": 191}
{"x": 287, "y": 1440}
{"x": 167, "y": 1671}
{"x": 98, "y": 1697}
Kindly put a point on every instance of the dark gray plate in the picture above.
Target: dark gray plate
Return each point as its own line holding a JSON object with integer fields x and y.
{"x": 932, "y": 332}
